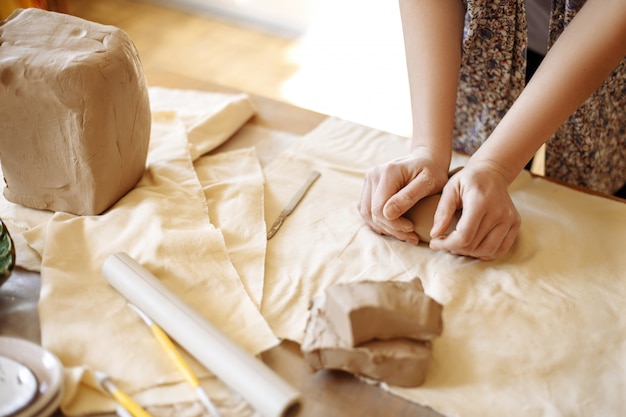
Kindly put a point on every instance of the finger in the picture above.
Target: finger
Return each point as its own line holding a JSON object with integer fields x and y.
{"x": 449, "y": 205}
{"x": 509, "y": 240}
{"x": 501, "y": 236}
{"x": 489, "y": 242}
{"x": 401, "y": 229}
{"x": 407, "y": 196}
{"x": 370, "y": 204}
{"x": 384, "y": 186}
{"x": 493, "y": 245}
{"x": 469, "y": 233}
{"x": 365, "y": 209}
{"x": 364, "y": 206}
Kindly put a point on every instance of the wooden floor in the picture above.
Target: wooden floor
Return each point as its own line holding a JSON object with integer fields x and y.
{"x": 196, "y": 45}
{"x": 337, "y": 68}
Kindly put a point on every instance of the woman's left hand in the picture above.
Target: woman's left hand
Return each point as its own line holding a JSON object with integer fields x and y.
{"x": 489, "y": 221}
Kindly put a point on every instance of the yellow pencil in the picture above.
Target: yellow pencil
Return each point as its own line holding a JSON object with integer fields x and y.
{"x": 126, "y": 401}
{"x": 178, "y": 360}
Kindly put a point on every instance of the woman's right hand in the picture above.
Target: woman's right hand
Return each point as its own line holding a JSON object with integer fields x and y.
{"x": 393, "y": 188}
{"x": 489, "y": 222}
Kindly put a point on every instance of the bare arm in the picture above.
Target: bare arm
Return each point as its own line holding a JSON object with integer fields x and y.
{"x": 585, "y": 54}
{"x": 433, "y": 31}
{"x": 433, "y": 34}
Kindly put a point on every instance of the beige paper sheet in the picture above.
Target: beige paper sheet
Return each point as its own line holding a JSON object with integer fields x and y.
{"x": 233, "y": 188}
{"x": 210, "y": 119}
{"x": 539, "y": 332}
{"x": 164, "y": 223}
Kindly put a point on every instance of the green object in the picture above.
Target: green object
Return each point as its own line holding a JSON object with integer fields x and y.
{"x": 7, "y": 253}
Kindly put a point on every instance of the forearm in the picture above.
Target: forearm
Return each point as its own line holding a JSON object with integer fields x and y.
{"x": 433, "y": 31}
{"x": 585, "y": 54}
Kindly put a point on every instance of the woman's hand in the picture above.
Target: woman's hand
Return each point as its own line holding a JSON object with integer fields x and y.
{"x": 393, "y": 188}
{"x": 489, "y": 221}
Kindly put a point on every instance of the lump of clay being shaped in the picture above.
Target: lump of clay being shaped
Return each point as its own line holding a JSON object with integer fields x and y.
{"x": 400, "y": 362}
{"x": 422, "y": 215}
{"x": 75, "y": 111}
{"x": 366, "y": 310}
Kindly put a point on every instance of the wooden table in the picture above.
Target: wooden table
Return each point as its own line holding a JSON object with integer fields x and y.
{"x": 324, "y": 393}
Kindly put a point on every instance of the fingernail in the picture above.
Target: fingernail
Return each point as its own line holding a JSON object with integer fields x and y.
{"x": 391, "y": 211}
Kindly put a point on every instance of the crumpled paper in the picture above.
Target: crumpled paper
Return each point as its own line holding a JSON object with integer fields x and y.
{"x": 537, "y": 332}
{"x": 236, "y": 209}
{"x": 165, "y": 224}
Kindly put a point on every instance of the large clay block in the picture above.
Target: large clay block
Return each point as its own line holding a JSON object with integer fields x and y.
{"x": 400, "y": 362}
{"x": 366, "y": 310}
{"x": 75, "y": 123}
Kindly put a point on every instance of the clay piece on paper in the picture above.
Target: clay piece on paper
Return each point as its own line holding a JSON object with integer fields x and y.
{"x": 422, "y": 215}
{"x": 381, "y": 330}
{"x": 400, "y": 362}
{"x": 367, "y": 310}
{"x": 75, "y": 111}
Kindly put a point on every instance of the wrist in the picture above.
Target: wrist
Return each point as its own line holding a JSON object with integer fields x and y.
{"x": 441, "y": 156}
{"x": 502, "y": 170}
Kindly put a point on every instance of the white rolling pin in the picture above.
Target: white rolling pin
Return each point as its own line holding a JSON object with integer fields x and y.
{"x": 263, "y": 389}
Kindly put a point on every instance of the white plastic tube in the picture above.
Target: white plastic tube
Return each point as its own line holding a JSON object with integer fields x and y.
{"x": 263, "y": 389}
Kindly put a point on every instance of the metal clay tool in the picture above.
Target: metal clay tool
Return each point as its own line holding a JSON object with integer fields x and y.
{"x": 293, "y": 204}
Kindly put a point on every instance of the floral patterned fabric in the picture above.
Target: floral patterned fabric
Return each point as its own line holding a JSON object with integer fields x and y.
{"x": 590, "y": 148}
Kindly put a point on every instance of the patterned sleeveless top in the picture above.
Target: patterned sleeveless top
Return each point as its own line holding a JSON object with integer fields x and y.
{"x": 590, "y": 147}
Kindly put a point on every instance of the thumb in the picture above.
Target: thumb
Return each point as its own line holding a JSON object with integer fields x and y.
{"x": 396, "y": 206}
{"x": 447, "y": 214}
{"x": 404, "y": 199}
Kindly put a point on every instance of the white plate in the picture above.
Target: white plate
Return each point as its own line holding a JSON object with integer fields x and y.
{"x": 47, "y": 409}
{"x": 47, "y": 369}
{"x": 18, "y": 386}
